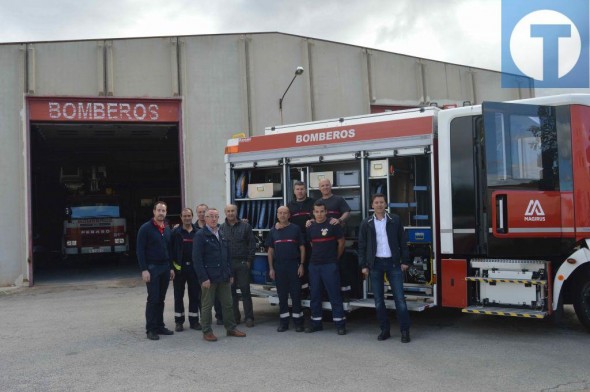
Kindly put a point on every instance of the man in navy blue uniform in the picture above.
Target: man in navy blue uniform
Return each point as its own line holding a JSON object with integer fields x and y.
{"x": 301, "y": 210}
{"x": 211, "y": 258}
{"x": 153, "y": 255}
{"x": 327, "y": 246}
{"x": 185, "y": 275}
{"x": 383, "y": 251}
{"x": 337, "y": 212}
{"x": 286, "y": 258}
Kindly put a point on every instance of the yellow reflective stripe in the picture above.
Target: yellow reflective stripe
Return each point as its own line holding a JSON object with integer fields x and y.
{"x": 176, "y": 266}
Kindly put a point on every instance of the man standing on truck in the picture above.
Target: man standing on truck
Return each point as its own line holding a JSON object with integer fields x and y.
{"x": 286, "y": 258}
{"x": 185, "y": 275}
{"x": 337, "y": 212}
{"x": 242, "y": 249}
{"x": 213, "y": 266}
{"x": 327, "y": 246}
{"x": 383, "y": 250}
{"x": 301, "y": 210}
{"x": 153, "y": 255}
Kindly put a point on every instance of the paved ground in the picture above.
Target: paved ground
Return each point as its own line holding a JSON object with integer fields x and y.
{"x": 72, "y": 332}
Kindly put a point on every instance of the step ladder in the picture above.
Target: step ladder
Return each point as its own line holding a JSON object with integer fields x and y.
{"x": 508, "y": 287}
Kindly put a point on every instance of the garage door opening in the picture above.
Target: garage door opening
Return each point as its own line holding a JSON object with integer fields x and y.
{"x": 93, "y": 184}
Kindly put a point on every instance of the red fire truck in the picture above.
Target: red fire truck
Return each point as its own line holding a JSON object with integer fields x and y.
{"x": 495, "y": 198}
{"x": 93, "y": 222}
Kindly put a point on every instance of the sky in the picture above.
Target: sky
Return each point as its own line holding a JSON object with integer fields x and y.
{"x": 466, "y": 32}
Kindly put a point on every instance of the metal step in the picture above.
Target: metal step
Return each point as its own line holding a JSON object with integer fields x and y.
{"x": 495, "y": 280}
{"x": 274, "y": 300}
{"x": 509, "y": 312}
{"x": 413, "y": 306}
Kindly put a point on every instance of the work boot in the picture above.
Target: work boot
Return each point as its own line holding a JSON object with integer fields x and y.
{"x": 196, "y": 326}
{"x": 406, "y": 336}
{"x": 179, "y": 327}
{"x": 282, "y": 328}
{"x": 314, "y": 328}
{"x": 151, "y": 335}
{"x": 341, "y": 331}
{"x": 209, "y": 336}
{"x": 384, "y": 335}
{"x": 299, "y": 328}
{"x": 164, "y": 331}
{"x": 236, "y": 333}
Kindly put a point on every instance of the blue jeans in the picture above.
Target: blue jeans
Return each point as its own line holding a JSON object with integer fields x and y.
{"x": 396, "y": 281}
{"x": 327, "y": 275}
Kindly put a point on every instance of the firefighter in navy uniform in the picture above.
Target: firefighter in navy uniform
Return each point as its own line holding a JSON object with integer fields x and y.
{"x": 182, "y": 248}
{"x": 153, "y": 256}
{"x": 327, "y": 246}
{"x": 337, "y": 212}
{"x": 286, "y": 258}
{"x": 301, "y": 210}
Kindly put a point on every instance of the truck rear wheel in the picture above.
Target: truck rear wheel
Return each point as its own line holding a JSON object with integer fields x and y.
{"x": 582, "y": 303}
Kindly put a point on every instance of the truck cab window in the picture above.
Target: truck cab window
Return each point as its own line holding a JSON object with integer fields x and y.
{"x": 521, "y": 146}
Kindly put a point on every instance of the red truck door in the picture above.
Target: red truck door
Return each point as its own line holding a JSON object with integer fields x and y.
{"x": 525, "y": 180}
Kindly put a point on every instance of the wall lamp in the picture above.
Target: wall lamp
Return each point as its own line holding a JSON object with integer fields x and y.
{"x": 298, "y": 71}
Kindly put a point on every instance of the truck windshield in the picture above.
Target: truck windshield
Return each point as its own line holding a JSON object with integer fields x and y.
{"x": 95, "y": 212}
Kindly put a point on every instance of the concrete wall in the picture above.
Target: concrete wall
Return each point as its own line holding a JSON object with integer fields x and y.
{"x": 228, "y": 83}
{"x": 13, "y": 214}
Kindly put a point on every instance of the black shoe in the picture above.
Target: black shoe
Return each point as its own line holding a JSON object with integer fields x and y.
{"x": 342, "y": 331}
{"x": 151, "y": 335}
{"x": 384, "y": 335}
{"x": 282, "y": 328}
{"x": 179, "y": 327}
{"x": 314, "y": 329}
{"x": 196, "y": 326}
{"x": 299, "y": 328}
{"x": 164, "y": 331}
{"x": 219, "y": 321}
{"x": 406, "y": 336}
{"x": 249, "y": 323}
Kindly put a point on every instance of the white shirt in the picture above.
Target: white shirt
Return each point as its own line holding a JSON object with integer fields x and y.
{"x": 383, "y": 249}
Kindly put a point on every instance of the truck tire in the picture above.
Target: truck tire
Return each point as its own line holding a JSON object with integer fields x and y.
{"x": 582, "y": 303}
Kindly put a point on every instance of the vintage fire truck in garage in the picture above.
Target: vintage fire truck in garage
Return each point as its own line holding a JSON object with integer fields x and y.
{"x": 495, "y": 198}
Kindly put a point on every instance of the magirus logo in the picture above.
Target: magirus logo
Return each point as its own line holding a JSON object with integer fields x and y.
{"x": 534, "y": 212}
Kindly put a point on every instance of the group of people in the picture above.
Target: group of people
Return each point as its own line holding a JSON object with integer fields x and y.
{"x": 304, "y": 247}
{"x": 212, "y": 260}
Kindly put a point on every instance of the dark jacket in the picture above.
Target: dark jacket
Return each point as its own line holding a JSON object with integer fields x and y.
{"x": 153, "y": 247}
{"x": 395, "y": 235}
{"x": 177, "y": 246}
{"x": 241, "y": 240}
{"x": 211, "y": 257}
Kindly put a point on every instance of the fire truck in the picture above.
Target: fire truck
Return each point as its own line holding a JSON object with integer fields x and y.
{"x": 494, "y": 198}
{"x": 93, "y": 223}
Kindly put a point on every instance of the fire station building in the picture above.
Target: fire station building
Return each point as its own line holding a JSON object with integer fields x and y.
{"x": 142, "y": 119}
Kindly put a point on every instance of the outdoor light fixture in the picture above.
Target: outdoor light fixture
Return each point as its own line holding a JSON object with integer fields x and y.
{"x": 298, "y": 71}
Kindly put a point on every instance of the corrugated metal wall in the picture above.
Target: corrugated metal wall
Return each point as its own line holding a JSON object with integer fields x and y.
{"x": 229, "y": 84}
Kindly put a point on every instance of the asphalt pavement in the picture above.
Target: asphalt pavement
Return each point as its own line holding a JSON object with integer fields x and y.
{"x": 85, "y": 332}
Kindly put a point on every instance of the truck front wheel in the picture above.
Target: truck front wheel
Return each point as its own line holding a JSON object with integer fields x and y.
{"x": 582, "y": 303}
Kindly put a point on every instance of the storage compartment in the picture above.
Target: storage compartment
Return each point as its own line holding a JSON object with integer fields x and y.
{"x": 354, "y": 202}
{"x": 454, "y": 286}
{"x": 316, "y": 177}
{"x": 348, "y": 178}
{"x": 269, "y": 189}
{"x": 378, "y": 168}
{"x": 419, "y": 235}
